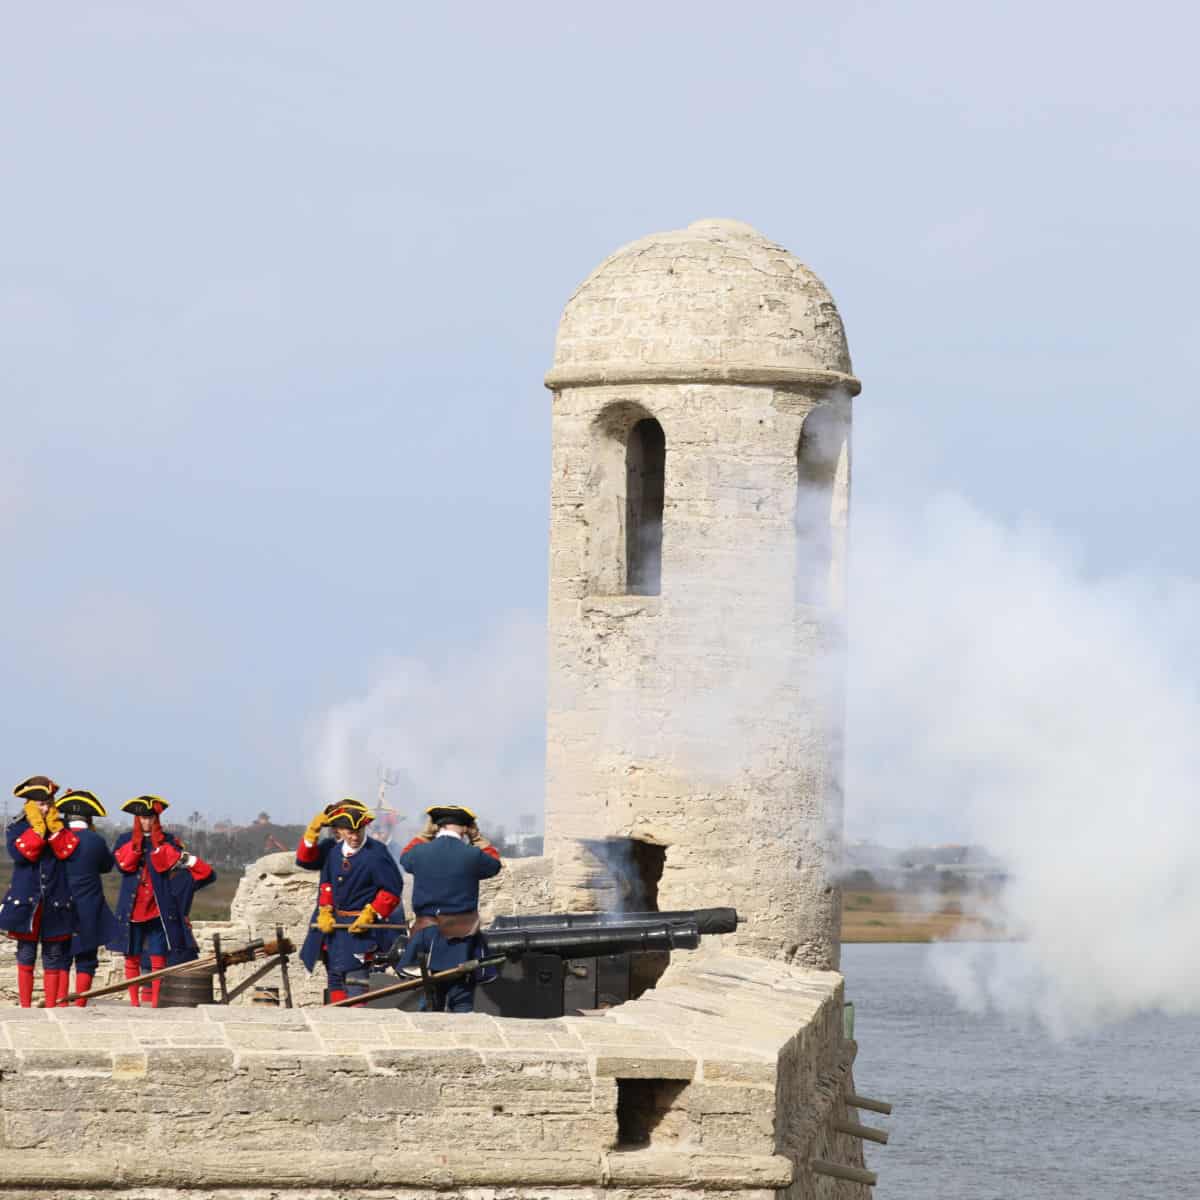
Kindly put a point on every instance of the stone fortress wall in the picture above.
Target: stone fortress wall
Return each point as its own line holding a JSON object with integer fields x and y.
{"x": 724, "y": 1080}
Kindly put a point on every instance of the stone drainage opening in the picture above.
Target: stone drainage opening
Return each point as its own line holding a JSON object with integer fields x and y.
{"x": 646, "y": 1113}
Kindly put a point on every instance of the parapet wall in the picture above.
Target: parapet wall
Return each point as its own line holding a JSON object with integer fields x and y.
{"x": 722, "y": 1081}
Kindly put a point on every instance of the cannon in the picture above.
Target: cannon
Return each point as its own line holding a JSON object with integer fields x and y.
{"x": 563, "y": 963}
{"x": 706, "y": 920}
{"x": 556, "y": 964}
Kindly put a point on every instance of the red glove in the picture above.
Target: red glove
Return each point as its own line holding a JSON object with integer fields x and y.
{"x": 157, "y": 837}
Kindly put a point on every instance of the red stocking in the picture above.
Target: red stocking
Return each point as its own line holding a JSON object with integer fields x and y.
{"x": 25, "y": 985}
{"x": 83, "y": 981}
{"x": 157, "y": 962}
{"x": 133, "y": 968}
{"x": 52, "y": 986}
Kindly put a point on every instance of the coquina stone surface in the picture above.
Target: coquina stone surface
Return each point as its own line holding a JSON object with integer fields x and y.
{"x": 691, "y": 1089}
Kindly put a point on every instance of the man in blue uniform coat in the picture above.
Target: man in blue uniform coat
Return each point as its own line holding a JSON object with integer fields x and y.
{"x": 149, "y": 919}
{"x": 185, "y": 879}
{"x": 314, "y": 849}
{"x": 37, "y": 907}
{"x": 447, "y": 864}
{"x": 360, "y": 887}
{"x": 96, "y": 926}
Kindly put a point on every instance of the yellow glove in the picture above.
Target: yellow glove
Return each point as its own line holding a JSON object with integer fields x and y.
{"x": 325, "y": 921}
{"x": 364, "y": 920}
{"x": 33, "y": 815}
{"x": 315, "y": 826}
{"x": 54, "y": 821}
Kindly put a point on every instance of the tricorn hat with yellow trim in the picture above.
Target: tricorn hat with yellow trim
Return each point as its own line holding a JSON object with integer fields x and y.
{"x": 450, "y": 814}
{"x": 76, "y": 803}
{"x": 353, "y": 816}
{"x": 332, "y": 810}
{"x": 144, "y": 806}
{"x": 36, "y": 787}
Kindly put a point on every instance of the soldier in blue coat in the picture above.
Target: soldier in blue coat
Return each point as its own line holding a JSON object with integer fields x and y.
{"x": 360, "y": 887}
{"x": 38, "y": 909}
{"x": 185, "y": 879}
{"x": 149, "y": 920}
{"x": 96, "y": 926}
{"x": 313, "y": 849}
{"x": 447, "y": 866}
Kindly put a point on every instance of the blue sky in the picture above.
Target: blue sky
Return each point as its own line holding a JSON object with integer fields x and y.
{"x": 280, "y": 283}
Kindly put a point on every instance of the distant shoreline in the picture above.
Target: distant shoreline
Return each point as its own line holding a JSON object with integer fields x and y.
{"x": 870, "y": 916}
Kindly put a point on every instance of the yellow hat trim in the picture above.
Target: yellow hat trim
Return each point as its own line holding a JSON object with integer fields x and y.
{"x": 358, "y": 817}
{"x": 85, "y": 798}
{"x": 461, "y": 808}
{"x": 26, "y": 789}
{"x": 145, "y": 799}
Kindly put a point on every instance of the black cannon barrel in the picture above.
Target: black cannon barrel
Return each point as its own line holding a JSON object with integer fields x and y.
{"x": 706, "y": 920}
{"x": 592, "y": 941}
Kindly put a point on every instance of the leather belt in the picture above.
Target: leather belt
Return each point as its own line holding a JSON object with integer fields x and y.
{"x": 450, "y": 925}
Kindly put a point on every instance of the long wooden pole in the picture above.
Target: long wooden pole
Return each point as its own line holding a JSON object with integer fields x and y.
{"x": 373, "y": 925}
{"x": 247, "y": 953}
{"x": 837, "y": 1171}
{"x": 411, "y": 985}
{"x": 854, "y": 1129}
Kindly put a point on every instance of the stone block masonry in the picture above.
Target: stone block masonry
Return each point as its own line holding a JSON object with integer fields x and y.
{"x": 688, "y": 1090}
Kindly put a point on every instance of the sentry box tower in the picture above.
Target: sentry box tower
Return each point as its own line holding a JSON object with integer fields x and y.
{"x": 700, "y": 491}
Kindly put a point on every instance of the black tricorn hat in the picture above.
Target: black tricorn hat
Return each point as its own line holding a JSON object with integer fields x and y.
{"x": 450, "y": 814}
{"x": 144, "y": 806}
{"x": 80, "y": 804}
{"x": 36, "y": 787}
{"x": 352, "y": 817}
{"x": 338, "y": 806}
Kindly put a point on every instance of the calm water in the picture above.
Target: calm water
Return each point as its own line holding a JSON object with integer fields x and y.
{"x": 990, "y": 1111}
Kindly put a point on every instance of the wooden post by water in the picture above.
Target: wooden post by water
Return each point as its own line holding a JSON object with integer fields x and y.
{"x": 837, "y": 1171}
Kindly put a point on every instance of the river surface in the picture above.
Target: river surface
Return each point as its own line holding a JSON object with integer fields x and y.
{"x": 986, "y": 1109}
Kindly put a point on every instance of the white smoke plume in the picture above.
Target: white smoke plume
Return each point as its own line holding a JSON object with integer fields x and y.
{"x": 1000, "y": 695}
{"x": 463, "y": 727}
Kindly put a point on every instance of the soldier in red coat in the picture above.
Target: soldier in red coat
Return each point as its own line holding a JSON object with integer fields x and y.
{"x": 149, "y": 920}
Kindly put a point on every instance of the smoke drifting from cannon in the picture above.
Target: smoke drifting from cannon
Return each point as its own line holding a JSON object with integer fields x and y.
{"x": 1001, "y": 695}
{"x": 998, "y": 694}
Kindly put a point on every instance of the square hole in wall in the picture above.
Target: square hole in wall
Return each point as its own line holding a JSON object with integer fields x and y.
{"x": 646, "y": 1112}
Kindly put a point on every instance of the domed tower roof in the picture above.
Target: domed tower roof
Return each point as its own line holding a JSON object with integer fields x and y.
{"x": 716, "y": 302}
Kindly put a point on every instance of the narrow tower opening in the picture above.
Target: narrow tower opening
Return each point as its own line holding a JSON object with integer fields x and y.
{"x": 645, "y": 476}
{"x": 817, "y": 454}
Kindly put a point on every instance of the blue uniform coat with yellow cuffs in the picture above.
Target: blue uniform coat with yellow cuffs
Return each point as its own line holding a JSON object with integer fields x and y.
{"x": 349, "y": 883}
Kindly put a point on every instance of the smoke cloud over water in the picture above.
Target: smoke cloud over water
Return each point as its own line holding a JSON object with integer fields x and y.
{"x": 999, "y": 695}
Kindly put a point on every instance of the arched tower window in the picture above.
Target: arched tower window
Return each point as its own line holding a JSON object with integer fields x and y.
{"x": 822, "y": 439}
{"x": 645, "y": 475}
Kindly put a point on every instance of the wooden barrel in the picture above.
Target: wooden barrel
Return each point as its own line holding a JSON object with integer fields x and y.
{"x": 266, "y": 996}
{"x": 186, "y": 989}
